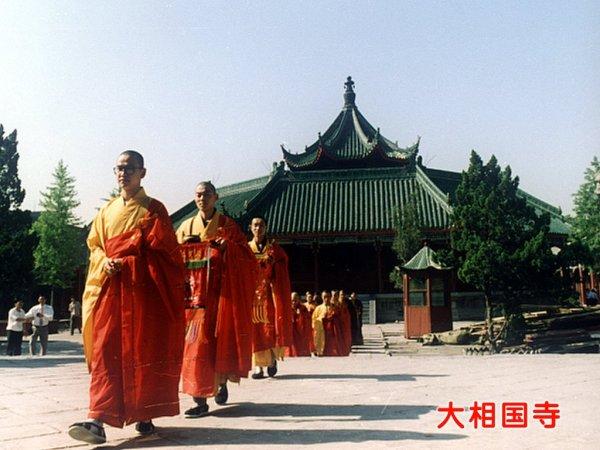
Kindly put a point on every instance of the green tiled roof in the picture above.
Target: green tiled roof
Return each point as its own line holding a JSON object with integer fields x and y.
{"x": 424, "y": 259}
{"x": 350, "y": 142}
{"x": 347, "y": 203}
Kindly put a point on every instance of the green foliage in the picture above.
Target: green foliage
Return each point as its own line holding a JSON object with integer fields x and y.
{"x": 61, "y": 244}
{"x": 16, "y": 244}
{"x": 408, "y": 239}
{"x": 500, "y": 242}
{"x": 11, "y": 194}
{"x": 586, "y": 220}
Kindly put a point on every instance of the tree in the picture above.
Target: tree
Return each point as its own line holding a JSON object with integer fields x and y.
{"x": 16, "y": 243}
{"x": 500, "y": 243}
{"x": 586, "y": 220}
{"x": 60, "y": 250}
{"x": 408, "y": 237}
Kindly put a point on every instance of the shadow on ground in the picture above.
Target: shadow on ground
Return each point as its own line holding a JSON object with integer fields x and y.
{"x": 187, "y": 436}
{"x": 298, "y": 412}
{"x": 341, "y": 376}
{"x": 59, "y": 352}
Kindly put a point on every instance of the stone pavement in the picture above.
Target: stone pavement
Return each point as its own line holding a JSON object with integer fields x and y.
{"x": 368, "y": 400}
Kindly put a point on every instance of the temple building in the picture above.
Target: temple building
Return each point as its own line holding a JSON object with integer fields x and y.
{"x": 332, "y": 207}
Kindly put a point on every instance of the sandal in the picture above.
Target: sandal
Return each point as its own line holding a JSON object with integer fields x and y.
{"x": 88, "y": 432}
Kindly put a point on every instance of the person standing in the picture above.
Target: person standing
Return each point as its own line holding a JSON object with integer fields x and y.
{"x": 40, "y": 316}
{"x": 221, "y": 277}
{"x": 14, "y": 329}
{"x": 133, "y": 323}
{"x": 301, "y": 328}
{"x": 75, "y": 318}
{"x": 271, "y": 312}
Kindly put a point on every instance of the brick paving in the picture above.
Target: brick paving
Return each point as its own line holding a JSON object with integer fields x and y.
{"x": 368, "y": 400}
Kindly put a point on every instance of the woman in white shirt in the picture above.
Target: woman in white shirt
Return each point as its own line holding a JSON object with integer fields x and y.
{"x": 14, "y": 329}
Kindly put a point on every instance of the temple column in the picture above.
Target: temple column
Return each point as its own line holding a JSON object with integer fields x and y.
{"x": 315, "y": 250}
{"x": 379, "y": 266}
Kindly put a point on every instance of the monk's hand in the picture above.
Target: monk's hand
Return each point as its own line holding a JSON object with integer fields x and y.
{"x": 112, "y": 266}
{"x": 219, "y": 243}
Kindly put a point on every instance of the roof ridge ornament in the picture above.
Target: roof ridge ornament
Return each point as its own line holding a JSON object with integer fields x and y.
{"x": 349, "y": 95}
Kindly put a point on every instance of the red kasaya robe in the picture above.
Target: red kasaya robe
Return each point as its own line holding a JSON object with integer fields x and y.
{"x": 345, "y": 323}
{"x": 218, "y": 339}
{"x": 271, "y": 313}
{"x": 135, "y": 328}
{"x": 302, "y": 332}
{"x": 333, "y": 333}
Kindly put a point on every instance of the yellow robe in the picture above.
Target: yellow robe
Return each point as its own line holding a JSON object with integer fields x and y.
{"x": 194, "y": 226}
{"x": 114, "y": 218}
{"x": 318, "y": 330}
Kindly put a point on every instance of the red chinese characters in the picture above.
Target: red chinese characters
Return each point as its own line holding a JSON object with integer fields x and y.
{"x": 514, "y": 414}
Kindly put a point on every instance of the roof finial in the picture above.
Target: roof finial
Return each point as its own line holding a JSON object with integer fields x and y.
{"x": 349, "y": 95}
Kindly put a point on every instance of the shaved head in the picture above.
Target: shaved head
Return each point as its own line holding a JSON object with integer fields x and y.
{"x": 137, "y": 156}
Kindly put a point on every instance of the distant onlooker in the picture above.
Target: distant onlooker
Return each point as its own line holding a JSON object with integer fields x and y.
{"x": 591, "y": 297}
{"x": 40, "y": 315}
{"x": 14, "y": 329}
{"x": 75, "y": 319}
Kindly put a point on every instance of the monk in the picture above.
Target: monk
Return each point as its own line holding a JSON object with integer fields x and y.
{"x": 222, "y": 273}
{"x": 346, "y": 323}
{"x": 301, "y": 327}
{"x": 133, "y": 315}
{"x": 271, "y": 313}
{"x": 318, "y": 317}
{"x": 356, "y": 323}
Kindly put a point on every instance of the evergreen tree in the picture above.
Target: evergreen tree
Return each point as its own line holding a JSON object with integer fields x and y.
{"x": 586, "y": 220}
{"x": 60, "y": 250}
{"x": 500, "y": 243}
{"x": 16, "y": 243}
{"x": 408, "y": 238}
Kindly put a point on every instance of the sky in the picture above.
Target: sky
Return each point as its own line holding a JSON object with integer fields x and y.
{"x": 210, "y": 90}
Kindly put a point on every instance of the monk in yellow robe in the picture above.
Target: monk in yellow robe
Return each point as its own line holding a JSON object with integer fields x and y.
{"x": 319, "y": 314}
{"x": 221, "y": 273}
{"x": 132, "y": 310}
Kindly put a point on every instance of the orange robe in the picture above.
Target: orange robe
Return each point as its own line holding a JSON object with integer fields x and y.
{"x": 218, "y": 339}
{"x": 302, "y": 332}
{"x": 333, "y": 336}
{"x": 271, "y": 313}
{"x": 133, "y": 321}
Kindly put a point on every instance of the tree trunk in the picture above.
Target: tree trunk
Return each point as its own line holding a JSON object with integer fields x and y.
{"x": 488, "y": 321}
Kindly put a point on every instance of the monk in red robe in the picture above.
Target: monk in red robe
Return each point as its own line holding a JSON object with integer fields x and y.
{"x": 221, "y": 273}
{"x": 271, "y": 313}
{"x": 301, "y": 328}
{"x": 133, "y": 311}
{"x": 346, "y": 321}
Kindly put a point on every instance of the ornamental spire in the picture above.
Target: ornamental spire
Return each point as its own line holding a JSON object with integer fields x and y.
{"x": 349, "y": 95}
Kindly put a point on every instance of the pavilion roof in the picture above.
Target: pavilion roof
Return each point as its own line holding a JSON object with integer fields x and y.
{"x": 350, "y": 142}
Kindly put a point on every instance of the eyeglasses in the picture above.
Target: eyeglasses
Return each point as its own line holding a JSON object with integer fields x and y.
{"x": 128, "y": 170}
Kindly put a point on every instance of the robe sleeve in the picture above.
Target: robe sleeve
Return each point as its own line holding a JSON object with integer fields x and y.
{"x": 94, "y": 281}
{"x": 282, "y": 293}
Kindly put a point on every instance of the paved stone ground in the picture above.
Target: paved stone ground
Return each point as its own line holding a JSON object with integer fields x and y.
{"x": 368, "y": 400}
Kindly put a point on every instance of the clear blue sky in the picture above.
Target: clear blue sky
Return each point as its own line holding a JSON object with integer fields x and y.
{"x": 209, "y": 90}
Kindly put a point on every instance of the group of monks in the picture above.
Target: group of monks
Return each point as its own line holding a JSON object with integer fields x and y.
{"x": 192, "y": 308}
{"x": 325, "y": 326}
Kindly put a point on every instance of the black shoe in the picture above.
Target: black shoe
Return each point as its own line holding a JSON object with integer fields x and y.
{"x": 272, "y": 370}
{"x": 197, "y": 411}
{"x": 88, "y": 432}
{"x": 222, "y": 395}
{"x": 145, "y": 428}
{"x": 258, "y": 375}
